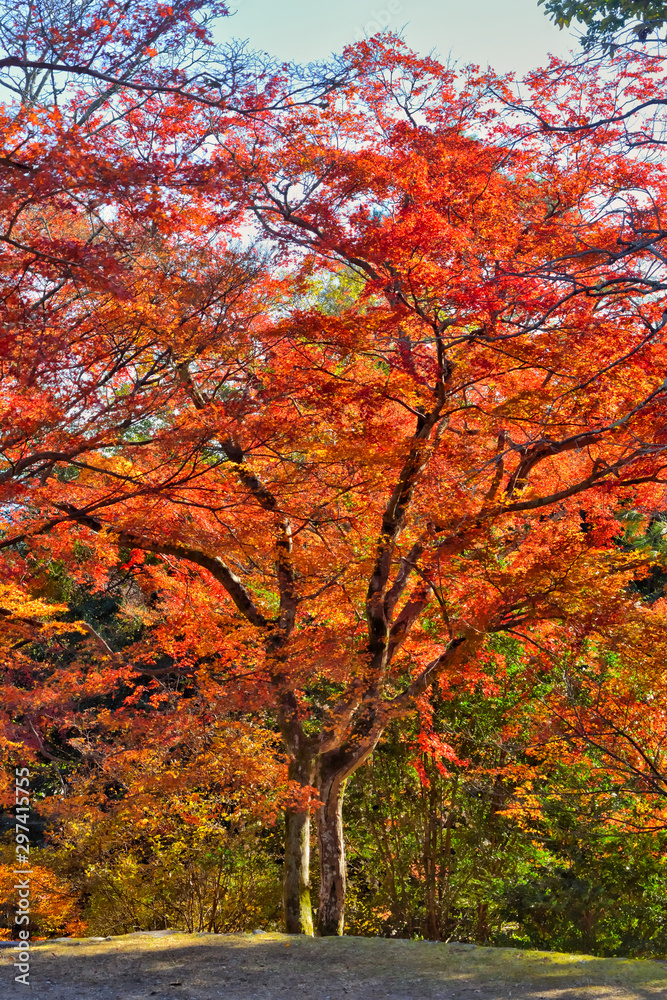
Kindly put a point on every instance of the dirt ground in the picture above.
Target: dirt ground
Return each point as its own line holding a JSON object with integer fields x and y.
{"x": 170, "y": 966}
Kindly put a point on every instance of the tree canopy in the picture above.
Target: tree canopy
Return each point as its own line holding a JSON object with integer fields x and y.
{"x": 331, "y": 387}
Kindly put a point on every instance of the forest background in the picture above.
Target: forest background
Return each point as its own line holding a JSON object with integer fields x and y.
{"x": 332, "y": 472}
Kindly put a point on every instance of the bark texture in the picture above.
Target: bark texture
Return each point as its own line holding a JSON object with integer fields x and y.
{"x": 296, "y": 883}
{"x": 331, "y": 911}
{"x": 296, "y": 880}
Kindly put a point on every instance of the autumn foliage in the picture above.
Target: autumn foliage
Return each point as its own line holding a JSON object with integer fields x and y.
{"x": 330, "y": 388}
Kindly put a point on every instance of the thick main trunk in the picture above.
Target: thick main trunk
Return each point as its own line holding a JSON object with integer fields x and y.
{"x": 431, "y": 845}
{"x": 296, "y": 878}
{"x": 331, "y": 911}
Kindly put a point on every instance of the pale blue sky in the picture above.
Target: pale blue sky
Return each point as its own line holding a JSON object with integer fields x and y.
{"x": 506, "y": 34}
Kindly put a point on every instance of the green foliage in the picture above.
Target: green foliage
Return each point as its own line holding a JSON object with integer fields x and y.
{"x": 604, "y": 19}
{"x": 431, "y": 849}
{"x": 428, "y": 861}
{"x": 469, "y": 856}
{"x": 602, "y": 892}
{"x": 640, "y": 535}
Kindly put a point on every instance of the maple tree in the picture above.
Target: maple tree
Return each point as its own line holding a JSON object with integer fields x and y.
{"x": 100, "y": 171}
{"x": 167, "y": 823}
{"x": 611, "y": 693}
{"x": 156, "y": 814}
{"x": 55, "y": 907}
{"x": 133, "y": 50}
{"x": 350, "y": 469}
{"x": 103, "y": 236}
{"x": 611, "y": 701}
{"x": 369, "y": 212}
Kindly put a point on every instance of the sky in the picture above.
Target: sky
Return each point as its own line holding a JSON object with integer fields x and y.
{"x": 505, "y": 34}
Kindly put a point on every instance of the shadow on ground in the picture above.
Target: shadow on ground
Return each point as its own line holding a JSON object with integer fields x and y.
{"x": 168, "y": 966}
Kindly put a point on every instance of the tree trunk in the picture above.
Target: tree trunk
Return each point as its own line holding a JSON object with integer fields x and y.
{"x": 331, "y": 790}
{"x": 296, "y": 880}
{"x": 431, "y": 845}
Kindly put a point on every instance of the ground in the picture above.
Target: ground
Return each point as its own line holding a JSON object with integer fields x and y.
{"x": 174, "y": 966}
